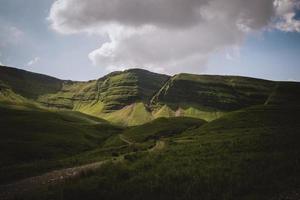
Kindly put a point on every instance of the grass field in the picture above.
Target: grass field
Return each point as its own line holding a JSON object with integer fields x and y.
{"x": 161, "y": 128}
{"x": 31, "y": 137}
{"x": 149, "y": 136}
{"x": 248, "y": 154}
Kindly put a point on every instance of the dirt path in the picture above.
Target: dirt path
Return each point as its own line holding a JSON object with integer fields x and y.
{"x": 122, "y": 137}
{"x": 58, "y": 176}
{"x": 160, "y": 144}
{"x": 10, "y": 191}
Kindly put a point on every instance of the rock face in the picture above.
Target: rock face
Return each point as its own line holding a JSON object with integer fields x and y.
{"x": 136, "y": 96}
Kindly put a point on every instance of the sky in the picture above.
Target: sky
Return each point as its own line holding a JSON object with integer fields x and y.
{"x": 83, "y": 40}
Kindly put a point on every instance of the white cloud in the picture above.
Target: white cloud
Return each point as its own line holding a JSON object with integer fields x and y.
{"x": 33, "y": 62}
{"x": 167, "y": 35}
{"x": 286, "y": 12}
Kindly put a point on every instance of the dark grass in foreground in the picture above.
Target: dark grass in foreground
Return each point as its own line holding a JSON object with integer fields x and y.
{"x": 33, "y": 141}
{"x": 249, "y": 154}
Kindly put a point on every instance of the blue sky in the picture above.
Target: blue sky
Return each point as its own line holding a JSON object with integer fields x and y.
{"x": 29, "y": 41}
{"x": 273, "y": 55}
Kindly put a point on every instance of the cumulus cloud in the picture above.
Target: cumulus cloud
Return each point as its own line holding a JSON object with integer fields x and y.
{"x": 286, "y": 12}
{"x": 33, "y": 62}
{"x": 168, "y": 35}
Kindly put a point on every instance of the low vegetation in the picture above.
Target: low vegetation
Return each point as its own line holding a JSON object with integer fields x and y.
{"x": 238, "y": 156}
{"x": 140, "y": 135}
{"x": 30, "y": 137}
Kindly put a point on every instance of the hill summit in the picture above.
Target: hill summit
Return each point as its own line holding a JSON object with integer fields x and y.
{"x": 136, "y": 96}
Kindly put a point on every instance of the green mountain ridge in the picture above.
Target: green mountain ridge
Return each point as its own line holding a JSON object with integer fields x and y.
{"x": 181, "y": 137}
{"x": 136, "y": 96}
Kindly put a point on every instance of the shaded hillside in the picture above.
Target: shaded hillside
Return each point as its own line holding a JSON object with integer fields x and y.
{"x": 285, "y": 94}
{"x": 225, "y": 93}
{"x": 162, "y": 128}
{"x": 248, "y": 154}
{"x": 247, "y": 149}
{"x": 29, "y": 138}
{"x": 28, "y": 84}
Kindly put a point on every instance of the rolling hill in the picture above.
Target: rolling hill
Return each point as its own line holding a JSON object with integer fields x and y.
{"x": 141, "y": 135}
{"x": 247, "y": 154}
{"x": 137, "y": 96}
{"x": 31, "y": 136}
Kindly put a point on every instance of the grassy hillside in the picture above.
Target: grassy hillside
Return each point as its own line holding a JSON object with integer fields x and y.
{"x": 113, "y": 96}
{"x": 32, "y": 136}
{"x": 187, "y": 110}
{"x": 131, "y": 115}
{"x": 224, "y": 93}
{"x": 186, "y": 137}
{"x": 248, "y": 154}
{"x": 71, "y": 94}
{"x": 161, "y": 127}
{"x": 285, "y": 94}
{"x": 113, "y": 91}
{"x": 27, "y": 84}
{"x": 124, "y": 88}
{"x": 133, "y": 97}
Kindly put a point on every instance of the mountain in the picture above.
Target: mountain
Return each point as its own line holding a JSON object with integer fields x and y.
{"x": 136, "y": 96}
{"x": 100, "y": 97}
{"x": 135, "y": 134}
{"x": 224, "y": 93}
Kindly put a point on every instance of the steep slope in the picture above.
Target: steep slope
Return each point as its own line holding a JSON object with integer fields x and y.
{"x": 217, "y": 92}
{"x": 124, "y": 88}
{"x": 29, "y": 85}
{"x": 285, "y": 94}
{"x": 29, "y": 138}
{"x": 107, "y": 94}
{"x": 71, "y": 94}
{"x": 22, "y": 86}
{"x": 111, "y": 96}
{"x": 132, "y": 115}
{"x": 209, "y": 96}
{"x": 137, "y": 96}
{"x": 248, "y": 154}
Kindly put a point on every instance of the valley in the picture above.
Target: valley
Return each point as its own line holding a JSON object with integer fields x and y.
{"x": 135, "y": 134}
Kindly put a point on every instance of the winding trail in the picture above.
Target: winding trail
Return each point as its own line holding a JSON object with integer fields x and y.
{"x": 122, "y": 137}
{"x": 159, "y": 145}
{"x": 11, "y": 191}
{"x": 19, "y": 188}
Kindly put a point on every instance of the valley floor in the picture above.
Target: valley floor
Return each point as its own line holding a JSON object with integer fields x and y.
{"x": 247, "y": 154}
{"x": 31, "y": 184}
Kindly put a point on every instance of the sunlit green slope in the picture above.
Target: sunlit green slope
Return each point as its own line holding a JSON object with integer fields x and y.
{"x": 137, "y": 96}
